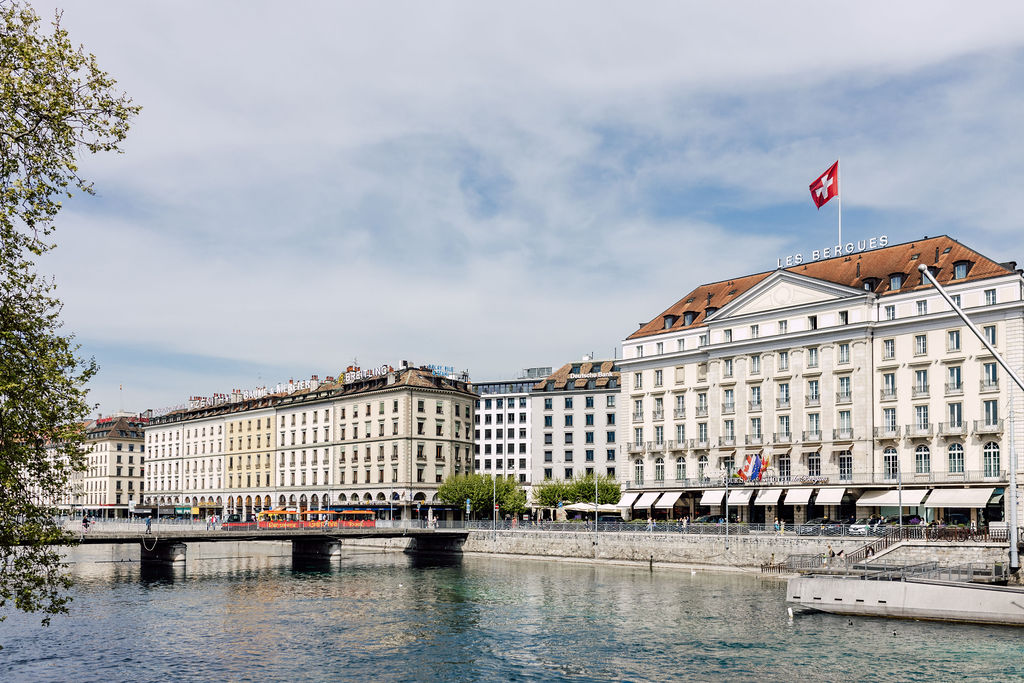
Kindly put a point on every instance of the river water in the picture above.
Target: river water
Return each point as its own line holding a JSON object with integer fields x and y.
{"x": 392, "y": 617}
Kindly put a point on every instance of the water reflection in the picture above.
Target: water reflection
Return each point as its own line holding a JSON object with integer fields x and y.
{"x": 397, "y": 617}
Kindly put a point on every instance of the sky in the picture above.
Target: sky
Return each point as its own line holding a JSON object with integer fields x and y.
{"x": 495, "y": 186}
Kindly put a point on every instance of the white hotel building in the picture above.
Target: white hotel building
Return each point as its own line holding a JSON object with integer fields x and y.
{"x": 503, "y": 431}
{"x": 852, "y": 376}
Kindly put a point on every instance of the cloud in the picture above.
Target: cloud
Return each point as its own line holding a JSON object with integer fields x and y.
{"x": 494, "y": 188}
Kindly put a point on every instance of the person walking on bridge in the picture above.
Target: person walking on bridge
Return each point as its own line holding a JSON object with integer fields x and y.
{"x": 149, "y": 524}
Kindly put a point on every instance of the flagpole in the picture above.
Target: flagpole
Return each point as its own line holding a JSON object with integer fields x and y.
{"x": 840, "y": 197}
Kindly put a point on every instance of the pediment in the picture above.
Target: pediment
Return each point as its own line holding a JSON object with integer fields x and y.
{"x": 782, "y": 290}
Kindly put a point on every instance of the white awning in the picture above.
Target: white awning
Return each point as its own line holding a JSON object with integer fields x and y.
{"x": 798, "y": 496}
{"x": 740, "y": 496}
{"x": 712, "y": 497}
{"x": 627, "y": 500}
{"x": 832, "y": 496}
{"x": 668, "y": 500}
{"x": 959, "y": 498}
{"x": 647, "y": 499}
{"x": 891, "y": 497}
{"x": 768, "y": 497}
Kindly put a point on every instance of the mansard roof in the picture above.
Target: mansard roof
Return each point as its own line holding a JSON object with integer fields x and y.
{"x": 853, "y": 270}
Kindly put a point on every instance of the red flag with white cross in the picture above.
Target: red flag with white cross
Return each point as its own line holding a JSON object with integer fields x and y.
{"x": 826, "y": 186}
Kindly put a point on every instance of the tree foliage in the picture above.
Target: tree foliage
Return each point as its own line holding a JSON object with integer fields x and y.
{"x": 577, "y": 490}
{"x": 55, "y": 103}
{"x": 479, "y": 489}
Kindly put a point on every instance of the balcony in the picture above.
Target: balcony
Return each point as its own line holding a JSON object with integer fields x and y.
{"x": 844, "y": 397}
{"x": 701, "y": 444}
{"x": 811, "y": 436}
{"x": 782, "y": 437}
{"x": 782, "y": 403}
{"x": 990, "y": 384}
{"x": 887, "y": 394}
{"x": 919, "y": 430}
{"x": 753, "y": 440}
{"x": 659, "y": 414}
{"x": 655, "y": 446}
{"x": 680, "y": 413}
{"x": 954, "y": 388}
{"x": 635, "y": 447}
{"x": 988, "y": 427}
{"x": 676, "y": 445}
{"x": 754, "y": 405}
{"x": 887, "y": 432}
{"x": 638, "y": 417}
{"x": 726, "y": 441}
{"x": 919, "y": 391}
{"x": 701, "y": 411}
{"x": 728, "y": 408}
{"x": 842, "y": 434}
{"x": 812, "y": 401}
{"x": 952, "y": 429}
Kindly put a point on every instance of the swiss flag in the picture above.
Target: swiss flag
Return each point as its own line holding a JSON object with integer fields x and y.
{"x": 826, "y": 186}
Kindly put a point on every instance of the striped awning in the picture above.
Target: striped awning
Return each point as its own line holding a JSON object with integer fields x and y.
{"x": 647, "y": 499}
{"x": 768, "y": 497}
{"x": 627, "y": 499}
{"x": 712, "y": 497}
{"x": 740, "y": 496}
{"x": 798, "y": 496}
{"x": 959, "y": 498}
{"x": 668, "y": 500}
{"x": 891, "y": 498}
{"x": 830, "y": 496}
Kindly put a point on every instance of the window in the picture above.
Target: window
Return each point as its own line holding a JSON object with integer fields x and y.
{"x": 783, "y": 326}
{"x": 610, "y": 401}
{"x": 953, "y": 340}
{"x": 844, "y": 317}
{"x": 568, "y": 456}
{"x": 638, "y": 472}
{"x": 890, "y": 312}
{"x": 785, "y": 467}
{"x": 844, "y": 353}
{"x": 960, "y": 270}
{"x": 755, "y": 331}
{"x": 956, "y": 300}
{"x": 920, "y": 383}
{"x": 755, "y": 428}
{"x": 888, "y": 349}
{"x": 814, "y": 465}
{"x": 990, "y": 297}
{"x": 890, "y": 463}
{"x": 657, "y": 378}
{"x": 783, "y": 389}
{"x": 920, "y": 344}
{"x": 844, "y": 389}
{"x": 727, "y": 367}
{"x": 547, "y": 456}
{"x": 638, "y": 435}
{"x": 638, "y": 380}
{"x": 991, "y": 455}
{"x": 568, "y": 420}
{"x": 727, "y": 335}
{"x": 680, "y": 433}
{"x": 922, "y": 307}
{"x": 589, "y": 419}
{"x": 755, "y": 364}
{"x": 845, "y": 466}
{"x": 813, "y": 393}
{"x": 922, "y": 460}
{"x": 991, "y": 409}
{"x": 955, "y": 454}
{"x": 784, "y": 426}
{"x": 990, "y": 334}
{"x": 989, "y": 380}
{"x": 659, "y": 348}
{"x": 680, "y": 469}
{"x": 956, "y": 415}
{"x": 889, "y": 419}
{"x": 547, "y": 404}
{"x": 659, "y": 469}
{"x": 812, "y": 322}
{"x": 812, "y": 357}
{"x": 921, "y": 418}
{"x": 895, "y": 281}
{"x": 640, "y": 351}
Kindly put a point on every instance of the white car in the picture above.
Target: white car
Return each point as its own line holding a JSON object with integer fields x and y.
{"x": 863, "y": 527}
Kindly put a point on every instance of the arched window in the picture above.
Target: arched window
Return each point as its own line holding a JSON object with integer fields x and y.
{"x": 680, "y": 468}
{"x": 702, "y": 467}
{"x": 956, "y": 458}
{"x": 638, "y": 473}
{"x": 922, "y": 460}
{"x": 991, "y": 454}
{"x": 659, "y": 469}
{"x": 890, "y": 463}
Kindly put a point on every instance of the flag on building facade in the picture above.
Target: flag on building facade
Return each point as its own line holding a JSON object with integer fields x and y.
{"x": 753, "y": 467}
{"x": 826, "y": 186}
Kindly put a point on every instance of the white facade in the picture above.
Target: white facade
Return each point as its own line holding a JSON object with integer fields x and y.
{"x": 843, "y": 379}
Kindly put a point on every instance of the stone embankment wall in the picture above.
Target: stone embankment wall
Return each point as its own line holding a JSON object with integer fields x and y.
{"x": 949, "y": 554}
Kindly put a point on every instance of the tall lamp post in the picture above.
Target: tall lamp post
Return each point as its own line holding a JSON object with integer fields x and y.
{"x": 925, "y": 273}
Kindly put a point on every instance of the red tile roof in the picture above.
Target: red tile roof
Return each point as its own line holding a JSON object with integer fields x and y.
{"x": 852, "y": 271}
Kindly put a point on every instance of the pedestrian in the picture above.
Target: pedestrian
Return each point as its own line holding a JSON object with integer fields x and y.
{"x": 650, "y": 523}
{"x": 85, "y": 524}
{"x": 149, "y": 525}
{"x": 776, "y": 525}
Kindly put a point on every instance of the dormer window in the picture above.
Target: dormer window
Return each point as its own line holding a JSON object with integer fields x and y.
{"x": 870, "y": 283}
{"x": 895, "y": 281}
{"x": 709, "y": 311}
{"x": 670, "y": 320}
{"x": 689, "y": 317}
{"x": 960, "y": 269}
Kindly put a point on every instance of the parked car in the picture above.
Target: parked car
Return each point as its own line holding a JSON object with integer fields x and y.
{"x": 820, "y": 526}
{"x": 865, "y": 526}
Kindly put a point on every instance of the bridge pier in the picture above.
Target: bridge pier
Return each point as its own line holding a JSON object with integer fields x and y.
{"x": 316, "y": 549}
{"x": 163, "y": 553}
{"x": 436, "y": 544}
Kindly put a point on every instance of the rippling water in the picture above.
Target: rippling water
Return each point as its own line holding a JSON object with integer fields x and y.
{"x": 390, "y": 617}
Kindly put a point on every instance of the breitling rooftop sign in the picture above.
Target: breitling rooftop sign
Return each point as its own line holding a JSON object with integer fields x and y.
{"x": 835, "y": 250}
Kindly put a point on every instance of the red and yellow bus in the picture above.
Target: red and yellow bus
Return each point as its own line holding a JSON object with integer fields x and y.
{"x": 315, "y": 519}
